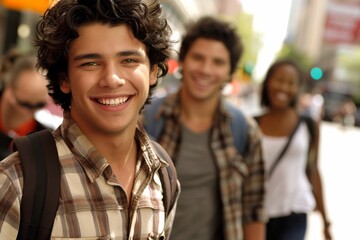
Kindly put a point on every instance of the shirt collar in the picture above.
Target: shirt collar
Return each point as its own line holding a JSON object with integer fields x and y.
{"x": 92, "y": 161}
{"x": 171, "y": 107}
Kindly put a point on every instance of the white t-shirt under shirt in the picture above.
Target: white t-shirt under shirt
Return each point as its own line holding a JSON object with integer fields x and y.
{"x": 288, "y": 189}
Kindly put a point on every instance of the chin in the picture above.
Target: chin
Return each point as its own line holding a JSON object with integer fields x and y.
{"x": 280, "y": 106}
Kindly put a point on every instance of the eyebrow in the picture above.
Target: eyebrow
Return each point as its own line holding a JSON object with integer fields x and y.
{"x": 98, "y": 56}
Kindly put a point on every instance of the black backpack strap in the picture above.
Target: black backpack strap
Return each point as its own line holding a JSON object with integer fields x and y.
{"x": 41, "y": 178}
{"x": 168, "y": 178}
{"x": 310, "y": 125}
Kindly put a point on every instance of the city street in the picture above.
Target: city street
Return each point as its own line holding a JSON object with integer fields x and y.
{"x": 340, "y": 168}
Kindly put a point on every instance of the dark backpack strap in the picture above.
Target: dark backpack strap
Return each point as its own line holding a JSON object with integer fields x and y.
{"x": 41, "y": 180}
{"x": 168, "y": 178}
{"x": 310, "y": 123}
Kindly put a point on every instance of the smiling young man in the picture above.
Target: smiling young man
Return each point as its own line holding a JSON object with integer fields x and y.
{"x": 222, "y": 194}
{"x": 102, "y": 59}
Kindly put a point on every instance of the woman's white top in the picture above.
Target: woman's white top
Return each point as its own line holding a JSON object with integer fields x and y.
{"x": 288, "y": 189}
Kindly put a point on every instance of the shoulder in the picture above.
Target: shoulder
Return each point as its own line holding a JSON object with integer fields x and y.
{"x": 244, "y": 129}
{"x": 307, "y": 118}
{"x": 151, "y": 110}
{"x": 157, "y": 102}
{"x": 257, "y": 118}
{"x": 61, "y": 146}
{"x": 10, "y": 163}
{"x": 11, "y": 172}
{"x": 10, "y": 195}
{"x": 239, "y": 119}
{"x": 236, "y": 115}
{"x": 254, "y": 132}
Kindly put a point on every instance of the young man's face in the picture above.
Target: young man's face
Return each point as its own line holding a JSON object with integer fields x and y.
{"x": 109, "y": 77}
{"x": 206, "y": 67}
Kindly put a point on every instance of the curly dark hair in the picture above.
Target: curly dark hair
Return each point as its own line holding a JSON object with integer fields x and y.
{"x": 58, "y": 28}
{"x": 265, "y": 101}
{"x": 211, "y": 28}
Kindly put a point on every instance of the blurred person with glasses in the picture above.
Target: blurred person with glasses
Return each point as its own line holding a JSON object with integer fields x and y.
{"x": 22, "y": 92}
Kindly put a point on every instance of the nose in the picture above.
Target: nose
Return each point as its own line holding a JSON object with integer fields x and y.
{"x": 206, "y": 66}
{"x": 111, "y": 77}
{"x": 286, "y": 86}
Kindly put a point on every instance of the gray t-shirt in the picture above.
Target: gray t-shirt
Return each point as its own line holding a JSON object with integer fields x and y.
{"x": 199, "y": 214}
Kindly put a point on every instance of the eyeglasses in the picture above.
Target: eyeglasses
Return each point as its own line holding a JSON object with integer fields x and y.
{"x": 30, "y": 106}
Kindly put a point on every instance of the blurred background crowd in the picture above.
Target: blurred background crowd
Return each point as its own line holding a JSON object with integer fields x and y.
{"x": 322, "y": 36}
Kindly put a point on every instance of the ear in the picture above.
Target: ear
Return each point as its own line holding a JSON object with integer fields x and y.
{"x": 154, "y": 74}
{"x": 65, "y": 85}
{"x": 178, "y": 73}
{"x": 232, "y": 77}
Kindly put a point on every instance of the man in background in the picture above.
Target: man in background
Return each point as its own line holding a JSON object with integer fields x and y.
{"x": 23, "y": 92}
{"x": 222, "y": 188}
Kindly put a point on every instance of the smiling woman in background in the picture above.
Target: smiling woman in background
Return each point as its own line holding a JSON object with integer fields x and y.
{"x": 22, "y": 92}
{"x": 290, "y": 146}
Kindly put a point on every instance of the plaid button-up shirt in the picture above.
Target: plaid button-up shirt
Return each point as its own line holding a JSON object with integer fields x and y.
{"x": 92, "y": 203}
{"x": 242, "y": 177}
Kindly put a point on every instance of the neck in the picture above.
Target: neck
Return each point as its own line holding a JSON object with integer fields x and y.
{"x": 124, "y": 158}
{"x": 282, "y": 112}
{"x": 197, "y": 115}
{"x": 118, "y": 152}
{"x": 198, "y": 108}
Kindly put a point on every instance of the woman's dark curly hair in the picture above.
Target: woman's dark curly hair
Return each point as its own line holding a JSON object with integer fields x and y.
{"x": 58, "y": 28}
{"x": 265, "y": 101}
{"x": 211, "y": 28}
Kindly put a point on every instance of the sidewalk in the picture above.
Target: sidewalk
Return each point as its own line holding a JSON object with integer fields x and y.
{"x": 340, "y": 168}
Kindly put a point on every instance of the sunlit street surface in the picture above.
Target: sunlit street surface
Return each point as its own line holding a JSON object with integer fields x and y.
{"x": 340, "y": 168}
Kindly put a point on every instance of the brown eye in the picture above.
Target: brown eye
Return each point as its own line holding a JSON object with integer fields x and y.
{"x": 129, "y": 61}
{"x": 91, "y": 64}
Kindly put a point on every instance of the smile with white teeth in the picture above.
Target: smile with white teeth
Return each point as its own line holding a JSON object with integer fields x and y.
{"x": 282, "y": 96}
{"x": 112, "y": 101}
{"x": 202, "y": 82}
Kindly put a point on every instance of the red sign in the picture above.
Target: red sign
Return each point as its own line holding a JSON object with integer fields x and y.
{"x": 342, "y": 24}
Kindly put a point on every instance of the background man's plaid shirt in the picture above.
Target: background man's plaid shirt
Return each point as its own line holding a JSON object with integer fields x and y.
{"x": 242, "y": 178}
